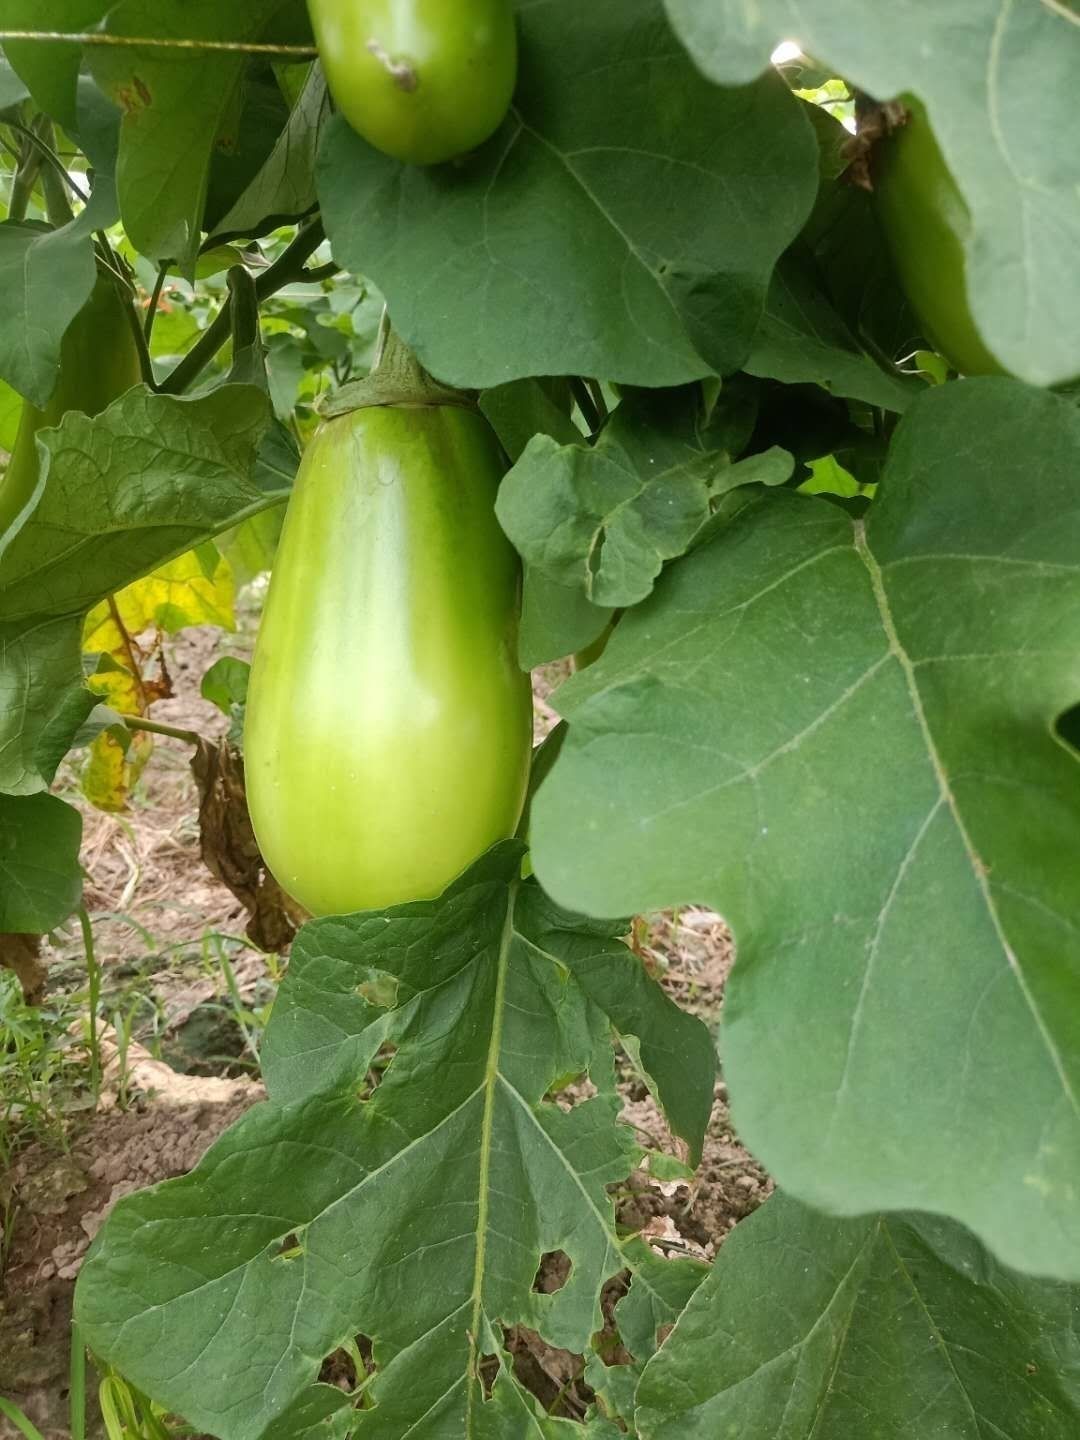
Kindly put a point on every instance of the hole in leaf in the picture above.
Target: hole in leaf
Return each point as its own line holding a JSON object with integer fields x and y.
{"x": 553, "y": 1272}
{"x": 339, "y": 1370}
{"x": 554, "y": 1376}
{"x": 1067, "y": 726}
{"x": 608, "y": 1342}
{"x": 488, "y": 1368}
{"x": 376, "y": 1071}
{"x": 571, "y": 1090}
{"x": 350, "y": 1365}
{"x": 291, "y": 1248}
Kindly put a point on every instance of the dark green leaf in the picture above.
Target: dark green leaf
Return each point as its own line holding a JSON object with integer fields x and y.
{"x": 524, "y": 408}
{"x": 841, "y": 736}
{"x": 246, "y": 142}
{"x": 898, "y": 1327}
{"x": 803, "y": 339}
{"x": 650, "y": 238}
{"x": 1001, "y": 138}
{"x": 284, "y": 188}
{"x": 556, "y": 620}
{"x": 40, "y": 878}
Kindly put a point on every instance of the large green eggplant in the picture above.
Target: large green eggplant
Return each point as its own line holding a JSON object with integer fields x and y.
{"x": 388, "y": 730}
{"x": 422, "y": 80}
{"x": 927, "y": 224}
{"x": 98, "y": 362}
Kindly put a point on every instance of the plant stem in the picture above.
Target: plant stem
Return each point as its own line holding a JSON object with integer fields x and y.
{"x": 155, "y": 296}
{"x": 158, "y": 727}
{"x": 57, "y": 205}
{"x": 23, "y": 181}
{"x": 77, "y": 1386}
{"x": 93, "y": 972}
{"x": 157, "y": 42}
{"x": 287, "y": 267}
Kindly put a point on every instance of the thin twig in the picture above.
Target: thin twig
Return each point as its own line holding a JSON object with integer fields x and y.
{"x": 47, "y": 153}
{"x": 93, "y": 975}
{"x": 158, "y": 727}
{"x": 156, "y": 42}
{"x": 155, "y": 296}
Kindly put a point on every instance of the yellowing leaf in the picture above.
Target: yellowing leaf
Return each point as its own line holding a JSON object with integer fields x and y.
{"x": 195, "y": 589}
{"x": 111, "y": 771}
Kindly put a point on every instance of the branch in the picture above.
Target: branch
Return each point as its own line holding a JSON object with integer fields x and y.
{"x": 156, "y": 42}
{"x": 289, "y": 266}
{"x": 57, "y": 205}
{"x": 158, "y": 727}
{"x": 155, "y": 296}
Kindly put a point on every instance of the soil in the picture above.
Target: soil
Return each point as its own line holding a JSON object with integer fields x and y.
{"x": 168, "y": 937}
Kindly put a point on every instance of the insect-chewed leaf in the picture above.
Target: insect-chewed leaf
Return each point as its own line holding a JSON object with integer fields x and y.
{"x": 407, "y": 1174}
{"x": 842, "y": 735}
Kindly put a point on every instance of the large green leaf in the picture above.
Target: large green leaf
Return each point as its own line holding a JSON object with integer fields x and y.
{"x": 603, "y": 519}
{"x": 174, "y": 105}
{"x": 842, "y": 736}
{"x": 119, "y": 495}
{"x": 998, "y": 83}
{"x": 651, "y": 232}
{"x": 892, "y": 1327}
{"x": 416, "y": 1215}
{"x": 40, "y": 878}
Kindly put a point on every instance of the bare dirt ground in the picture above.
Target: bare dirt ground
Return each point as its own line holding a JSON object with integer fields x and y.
{"x": 169, "y": 937}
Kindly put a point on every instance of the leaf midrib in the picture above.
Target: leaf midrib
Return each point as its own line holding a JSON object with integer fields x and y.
{"x": 491, "y": 1075}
